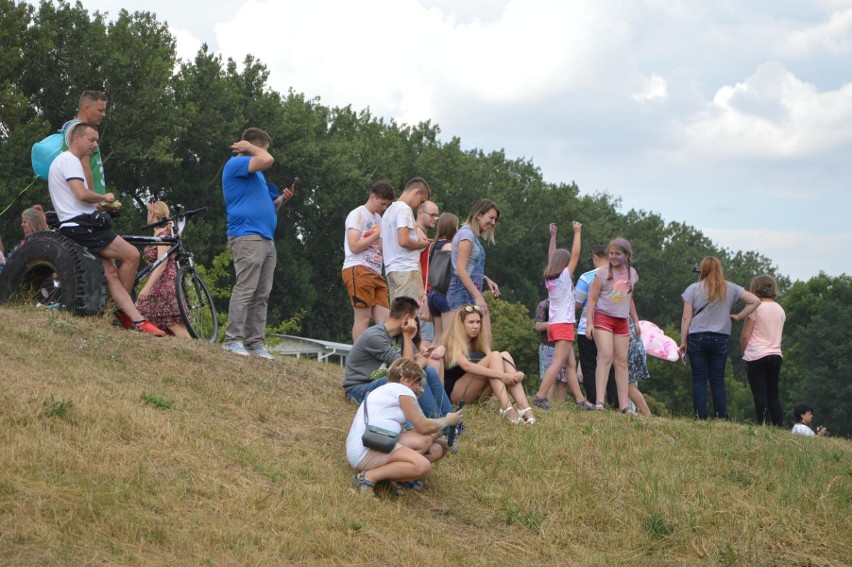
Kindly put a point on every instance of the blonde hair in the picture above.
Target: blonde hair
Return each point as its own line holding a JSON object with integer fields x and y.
{"x": 160, "y": 210}
{"x": 480, "y": 208}
{"x": 36, "y": 218}
{"x": 457, "y": 342}
{"x": 713, "y": 278}
{"x": 404, "y": 368}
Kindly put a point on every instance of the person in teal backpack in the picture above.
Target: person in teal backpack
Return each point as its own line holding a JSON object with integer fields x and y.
{"x": 92, "y": 110}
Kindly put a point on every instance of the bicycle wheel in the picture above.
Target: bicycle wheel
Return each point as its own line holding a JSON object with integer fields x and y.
{"x": 196, "y": 306}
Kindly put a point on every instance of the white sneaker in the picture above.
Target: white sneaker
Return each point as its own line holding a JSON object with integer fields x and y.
{"x": 236, "y": 348}
{"x": 261, "y": 352}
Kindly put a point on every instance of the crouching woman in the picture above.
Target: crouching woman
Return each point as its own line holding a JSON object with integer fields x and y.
{"x": 390, "y": 407}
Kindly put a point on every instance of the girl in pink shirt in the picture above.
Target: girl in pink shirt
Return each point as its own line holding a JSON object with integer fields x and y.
{"x": 761, "y": 344}
{"x": 610, "y": 304}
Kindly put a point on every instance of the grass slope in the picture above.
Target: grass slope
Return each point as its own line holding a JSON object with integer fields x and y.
{"x": 123, "y": 449}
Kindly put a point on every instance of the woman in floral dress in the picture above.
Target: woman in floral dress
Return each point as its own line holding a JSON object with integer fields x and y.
{"x": 157, "y": 300}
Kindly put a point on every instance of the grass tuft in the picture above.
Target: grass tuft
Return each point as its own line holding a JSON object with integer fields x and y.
{"x": 56, "y": 408}
{"x": 158, "y": 402}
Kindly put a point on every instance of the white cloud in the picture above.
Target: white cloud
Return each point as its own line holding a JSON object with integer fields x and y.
{"x": 833, "y": 36}
{"x": 800, "y": 255}
{"x": 772, "y": 114}
{"x": 187, "y": 44}
{"x": 655, "y": 88}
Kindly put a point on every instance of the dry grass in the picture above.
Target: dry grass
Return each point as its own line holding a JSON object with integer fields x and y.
{"x": 122, "y": 449}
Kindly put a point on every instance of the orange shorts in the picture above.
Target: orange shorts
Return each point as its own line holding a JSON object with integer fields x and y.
{"x": 366, "y": 288}
{"x": 560, "y": 332}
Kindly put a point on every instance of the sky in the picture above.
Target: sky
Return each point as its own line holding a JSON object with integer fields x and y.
{"x": 734, "y": 117}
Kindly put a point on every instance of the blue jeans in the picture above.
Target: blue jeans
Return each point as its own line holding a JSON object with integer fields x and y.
{"x": 433, "y": 401}
{"x": 708, "y": 354}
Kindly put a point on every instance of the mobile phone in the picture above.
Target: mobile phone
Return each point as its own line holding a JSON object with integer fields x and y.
{"x": 451, "y": 435}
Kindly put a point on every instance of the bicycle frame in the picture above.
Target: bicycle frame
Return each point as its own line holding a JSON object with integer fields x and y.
{"x": 176, "y": 249}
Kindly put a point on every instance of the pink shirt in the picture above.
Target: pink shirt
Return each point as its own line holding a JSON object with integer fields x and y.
{"x": 765, "y": 338}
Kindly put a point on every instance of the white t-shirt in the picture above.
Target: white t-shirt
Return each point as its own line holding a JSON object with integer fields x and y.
{"x": 384, "y": 411}
{"x": 65, "y": 167}
{"x": 560, "y": 292}
{"x": 399, "y": 259}
{"x": 365, "y": 222}
{"x": 801, "y": 429}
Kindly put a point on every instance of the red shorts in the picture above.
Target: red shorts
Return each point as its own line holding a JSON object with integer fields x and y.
{"x": 615, "y": 325}
{"x": 560, "y": 332}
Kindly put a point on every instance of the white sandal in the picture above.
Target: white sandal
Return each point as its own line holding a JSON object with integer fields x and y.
{"x": 528, "y": 420}
{"x": 503, "y": 413}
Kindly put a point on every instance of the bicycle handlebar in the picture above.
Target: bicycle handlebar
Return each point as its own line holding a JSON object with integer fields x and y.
{"x": 175, "y": 217}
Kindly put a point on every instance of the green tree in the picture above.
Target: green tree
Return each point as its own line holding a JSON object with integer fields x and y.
{"x": 818, "y": 350}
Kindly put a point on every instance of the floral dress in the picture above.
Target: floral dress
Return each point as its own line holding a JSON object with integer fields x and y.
{"x": 637, "y": 366}
{"x": 161, "y": 307}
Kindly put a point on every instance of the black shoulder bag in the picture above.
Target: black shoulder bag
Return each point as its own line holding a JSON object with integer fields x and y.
{"x": 376, "y": 438}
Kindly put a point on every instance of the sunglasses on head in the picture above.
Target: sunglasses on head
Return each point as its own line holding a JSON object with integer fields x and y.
{"x": 472, "y": 308}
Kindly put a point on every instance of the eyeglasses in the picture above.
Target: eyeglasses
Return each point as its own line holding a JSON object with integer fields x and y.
{"x": 433, "y": 215}
{"x": 472, "y": 308}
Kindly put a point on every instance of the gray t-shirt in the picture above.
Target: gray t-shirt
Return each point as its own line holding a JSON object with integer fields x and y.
{"x": 374, "y": 347}
{"x": 715, "y": 317}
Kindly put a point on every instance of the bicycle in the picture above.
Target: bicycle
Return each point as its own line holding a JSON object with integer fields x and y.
{"x": 193, "y": 297}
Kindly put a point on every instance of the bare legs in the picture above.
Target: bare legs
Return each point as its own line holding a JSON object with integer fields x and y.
{"x": 469, "y": 387}
{"x": 412, "y": 461}
{"x": 563, "y": 356}
{"x": 612, "y": 349}
{"x": 120, "y": 279}
{"x": 378, "y": 313}
{"x": 638, "y": 399}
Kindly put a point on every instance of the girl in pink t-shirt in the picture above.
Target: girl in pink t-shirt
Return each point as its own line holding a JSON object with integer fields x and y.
{"x": 560, "y": 327}
{"x": 761, "y": 344}
{"x": 610, "y": 304}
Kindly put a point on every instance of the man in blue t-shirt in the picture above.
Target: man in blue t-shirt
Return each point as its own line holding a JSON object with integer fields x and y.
{"x": 252, "y": 206}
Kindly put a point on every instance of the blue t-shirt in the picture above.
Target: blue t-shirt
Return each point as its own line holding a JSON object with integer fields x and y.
{"x": 581, "y": 295}
{"x": 248, "y": 200}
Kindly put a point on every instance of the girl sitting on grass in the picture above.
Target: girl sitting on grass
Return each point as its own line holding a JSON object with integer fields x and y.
{"x": 560, "y": 327}
{"x": 389, "y": 407}
{"x": 470, "y": 366}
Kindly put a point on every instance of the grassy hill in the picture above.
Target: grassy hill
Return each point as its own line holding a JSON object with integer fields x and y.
{"x": 123, "y": 449}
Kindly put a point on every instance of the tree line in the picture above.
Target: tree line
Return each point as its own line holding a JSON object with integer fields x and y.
{"x": 167, "y": 134}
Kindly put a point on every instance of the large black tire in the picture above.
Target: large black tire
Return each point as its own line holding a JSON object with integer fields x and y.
{"x": 51, "y": 269}
{"x": 196, "y": 305}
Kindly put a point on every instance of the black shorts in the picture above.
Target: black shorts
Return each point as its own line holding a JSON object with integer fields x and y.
{"x": 94, "y": 239}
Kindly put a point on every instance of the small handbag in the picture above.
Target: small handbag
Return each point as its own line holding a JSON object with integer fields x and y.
{"x": 376, "y": 438}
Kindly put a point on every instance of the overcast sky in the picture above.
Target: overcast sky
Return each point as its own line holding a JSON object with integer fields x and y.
{"x": 734, "y": 117}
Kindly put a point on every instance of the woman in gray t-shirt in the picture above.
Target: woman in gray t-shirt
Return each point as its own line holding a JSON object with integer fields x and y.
{"x": 705, "y": 329}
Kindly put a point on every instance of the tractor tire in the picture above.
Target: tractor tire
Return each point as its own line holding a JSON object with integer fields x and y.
{"x": 52, "y": 270}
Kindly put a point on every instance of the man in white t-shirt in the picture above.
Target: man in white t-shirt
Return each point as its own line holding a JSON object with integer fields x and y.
{"x": 80, "y": 220}
{"x": 400, "y": 244}
{"x": 362, "y": 265}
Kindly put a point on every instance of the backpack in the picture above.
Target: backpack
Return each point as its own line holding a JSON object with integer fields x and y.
{"x": 44, "y": 152}
{"x": 440, "y": 270}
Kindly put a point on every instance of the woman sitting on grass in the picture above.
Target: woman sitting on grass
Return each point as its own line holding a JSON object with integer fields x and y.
{"x": 470, "y": 367}
{"x": 390, "y": 407}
